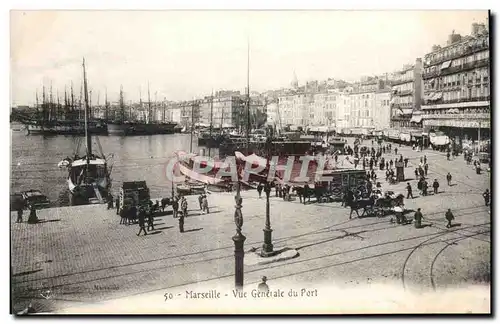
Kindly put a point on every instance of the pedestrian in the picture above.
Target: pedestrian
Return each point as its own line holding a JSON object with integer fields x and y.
{"x": 184, "y": 206}
{"x": 298, "y": 190}
{"x": 409, "y": 191}
{"x": 110, "y": 201}
{"x": 486, "y": 196}
{"x": 391, "y": 163}
{"x": 259, "y": 189}
{"x": 19, "y": 214}
{"x": 151, "y": 220}
{"x": 448, "y": 155}
{"x": 204, "y": 203}
{"x": 435, "y": 185}
{"x": 181, "y": 223}
{"x": 421, "y": 160}
{"x": 396, "y": 151}
{"x": 306, "y": 192}
{"x": 263, "y": 287}
{"x": 416, "y": 173}
{"x": 32, "y": 219}
{"x": 418, "y": 218}
{"x": 424, "y": 187}
{"x": 406, "y": 162}
{"x": 118, "y": 205}
{"x": 142, "y": 221}
{"x": 387, "y": 165}
{"x": 200, "y": 198}
{"x": 425, "y": 159}
{"x": 175, "y": 206}
{"x": 448, "y": 178}
{"x": 449, "y": 217}
{"x": 426, "y": 168}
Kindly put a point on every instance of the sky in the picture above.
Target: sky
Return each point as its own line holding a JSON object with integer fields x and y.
{"x": 187, "y": 54}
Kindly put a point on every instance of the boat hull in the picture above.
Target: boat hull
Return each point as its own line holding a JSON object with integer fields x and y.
{"x": 85, "y": 194}
{"x": 130, "y": 129}
{"x": 68, "y": 129}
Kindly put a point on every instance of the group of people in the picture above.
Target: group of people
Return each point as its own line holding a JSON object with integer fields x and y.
{"x": 132, "y": 213}
{"x": 203, "y": 201}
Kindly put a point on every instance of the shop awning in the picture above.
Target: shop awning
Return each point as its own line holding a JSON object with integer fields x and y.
{"x": 416, "y": 119}
{"x": 446, "y": 65}
{"x": 429, "y": 96}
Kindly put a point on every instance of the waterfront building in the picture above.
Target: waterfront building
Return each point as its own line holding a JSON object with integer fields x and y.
{"x": 189, "y": 113}
{"x": 367, "y": 96}
{"x": 382, "y": 110}
{"x": 457, "y": 86}
{"x": 407, "y": 93}
{"x": 227, "y": 109}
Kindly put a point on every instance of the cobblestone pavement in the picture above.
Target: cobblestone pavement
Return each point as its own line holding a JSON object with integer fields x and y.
{"x": 82, "y": 254}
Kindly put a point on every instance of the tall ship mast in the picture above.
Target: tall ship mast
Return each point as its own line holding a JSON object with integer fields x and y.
{"x": 89, "y": 178}
{"x": 147, "y": 126}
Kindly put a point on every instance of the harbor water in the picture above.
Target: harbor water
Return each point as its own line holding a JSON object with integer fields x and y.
{"x": 34, "y": 160}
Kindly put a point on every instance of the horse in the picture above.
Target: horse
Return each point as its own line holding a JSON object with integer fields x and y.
{"x": 365, "y": 204}
{"x": 164, "y": 203}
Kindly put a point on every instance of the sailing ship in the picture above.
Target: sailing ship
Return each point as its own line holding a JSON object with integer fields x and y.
{"x": 124, "y": 127}
{"x": 89, "y": 178}
{"x": 57, "y": 119}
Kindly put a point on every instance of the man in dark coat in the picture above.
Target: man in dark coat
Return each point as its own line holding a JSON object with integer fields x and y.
{"x": 306, "y": 193}
{"x": 175, "y": 206}
{"x": 142, "y": 221}
{"x": 448, "y": 178}
{"x": 416, "y": 173}
{"x": 435, "y": 185}
{"x": 409, "y": 191}
{"x": 118, "y": 205}
{"x": 200, "y": 198}
{"x": 449, "y": 217}
{"x": 406, "y": 162}
{"x": 396, "y": 151}
{"x": 110, "y": 201}
{"x": 418, "y": 218}
{"x": 486, "y": 196}
{"x": 425, "y": 159}
{"x": 424, "y": 187}
{"x": 299, "y": 192}
{"x": 426, "y": 168}
{"x": 151, "y": 219}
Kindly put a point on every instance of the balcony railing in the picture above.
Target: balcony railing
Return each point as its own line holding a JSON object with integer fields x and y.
{"x": 404, "y": 93}
{"x": 402, "y": 81}
{"x": 464, "y": 116}
{"x": 452, "y": 101}
{"x": 468, "y": 51}
{"x": 402, "y": 105}
{"x": 455, "y": 69}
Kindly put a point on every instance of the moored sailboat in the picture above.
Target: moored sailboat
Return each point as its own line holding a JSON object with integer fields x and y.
{"x": 89, "y": 178}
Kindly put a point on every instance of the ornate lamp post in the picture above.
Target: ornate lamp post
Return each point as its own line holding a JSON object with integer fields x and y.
{"x": 267, "y": 247}
{"x": 238, "y": 239}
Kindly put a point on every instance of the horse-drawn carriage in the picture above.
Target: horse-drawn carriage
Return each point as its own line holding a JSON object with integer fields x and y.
{"x": 378, "y": 204}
